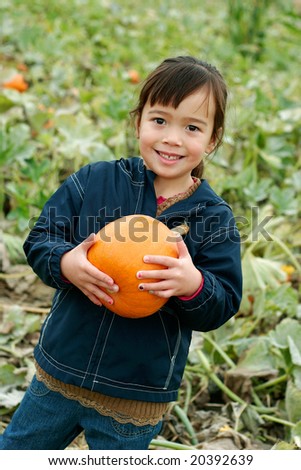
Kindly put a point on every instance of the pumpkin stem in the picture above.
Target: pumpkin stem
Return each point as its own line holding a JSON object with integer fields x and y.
{"x": 182, "y": 229}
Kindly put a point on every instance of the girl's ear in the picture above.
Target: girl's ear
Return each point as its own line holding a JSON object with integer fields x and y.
{"x": 210, "y": 147}
{"x": 215, "y": 139}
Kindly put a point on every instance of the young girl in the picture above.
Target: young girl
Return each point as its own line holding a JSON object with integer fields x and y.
{"x": 111, "y": 376}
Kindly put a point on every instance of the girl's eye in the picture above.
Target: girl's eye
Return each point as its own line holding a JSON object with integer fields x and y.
{"x": 159, "y": 121}
{"x": 192, "y": 128}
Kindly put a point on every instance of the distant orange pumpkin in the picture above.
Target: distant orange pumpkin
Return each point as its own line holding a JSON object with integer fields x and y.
{"x": 134, "y": 76}
{"x": 16, "y": 82}
{"x": 119, "y": 252}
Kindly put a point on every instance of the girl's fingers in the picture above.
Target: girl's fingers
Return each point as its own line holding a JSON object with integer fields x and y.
{"x": 97, "y": 296}
{"x": 88, "y": 242}
{"x": 153, "y": 274}
{"x": 159, "y": 293}
{"x": 93, "y": 275}
{"x": 182, "y": 249}
{"x": 167, "y": 261}
{"x": 166, "y": 294}
{"x": 103, "y": 279}
{"x": 154, "y": 286}
{"x": 94, "y": 299}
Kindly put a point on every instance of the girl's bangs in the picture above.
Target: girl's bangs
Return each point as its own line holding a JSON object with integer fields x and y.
{"x": 173, "y": 89}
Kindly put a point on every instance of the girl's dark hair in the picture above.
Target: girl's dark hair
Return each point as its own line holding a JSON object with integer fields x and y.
{"x": 177, "y": 78}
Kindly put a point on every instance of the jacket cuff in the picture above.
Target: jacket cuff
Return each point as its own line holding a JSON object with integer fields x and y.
{"x": 190, "y": 297}
{"x": 55, "y": 265}
{"x": 203, "y": 297}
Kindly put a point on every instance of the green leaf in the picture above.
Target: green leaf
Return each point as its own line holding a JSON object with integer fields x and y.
{"x": 283, "y": 299}
{"x": 284, "y": 200}
{"x": 282, "y": 445}
{"x": 257, "y": 190}
{"x": 251, "y": 420}
{"x": 291, "y": 114}
{"x": 257, "y": 360}
{"x": 16, "y": 145}
{"x": 272, "y": 160}
{"x": 289, "y": 327}
{"x": 5, "y": 103}
{"x": 20, "y": 99}
{"x": 9, "y": 375}
{"x": 77, "y": 127}
{"x": 295, "y": 351}
{"x": 81, "y": 138}
{"x": 14, "y": 246}
{"x": 22, "y": 323}
{"x": 296, "y": 373}
{"x": 296, "y": 434}
{"x": 293, "y": 402}
{"x": 260, "y": 273}
{"x": 10, "y": 399}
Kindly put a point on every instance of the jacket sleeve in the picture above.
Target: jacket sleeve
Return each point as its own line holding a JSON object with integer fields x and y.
{"x": 53, "y": 232}
{"x": 219, "y": 260}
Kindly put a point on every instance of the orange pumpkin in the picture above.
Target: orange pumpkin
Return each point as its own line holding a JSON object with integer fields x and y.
{"x": 134, "y": 76}
{"x": 16, "y": 82}
{"x": 119, "y": 252}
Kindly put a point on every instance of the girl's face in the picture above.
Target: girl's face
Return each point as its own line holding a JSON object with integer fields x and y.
{"x": 173, "y": 141}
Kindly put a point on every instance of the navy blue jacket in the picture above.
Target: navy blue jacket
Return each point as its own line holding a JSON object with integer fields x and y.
{"x": 89, "y": 346}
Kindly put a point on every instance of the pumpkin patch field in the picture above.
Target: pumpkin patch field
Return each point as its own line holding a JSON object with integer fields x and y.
{"x": 69, "y": 76}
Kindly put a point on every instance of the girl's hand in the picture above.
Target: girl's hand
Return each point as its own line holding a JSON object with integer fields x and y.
{"x": 181, "y": 278}
{"x": 76, "y": 269}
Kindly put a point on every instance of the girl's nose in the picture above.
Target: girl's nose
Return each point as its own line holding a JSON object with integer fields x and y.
{"x": 172, "y": 137}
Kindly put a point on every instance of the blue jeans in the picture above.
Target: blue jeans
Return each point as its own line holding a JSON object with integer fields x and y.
{"x": 46, "y": 420}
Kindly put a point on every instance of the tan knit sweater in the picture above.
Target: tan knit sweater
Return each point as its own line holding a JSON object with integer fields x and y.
{"x": 137, "y": 412}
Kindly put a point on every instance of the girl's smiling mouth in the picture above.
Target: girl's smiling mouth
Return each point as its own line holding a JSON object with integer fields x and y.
{"x": 169, "y": 156}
